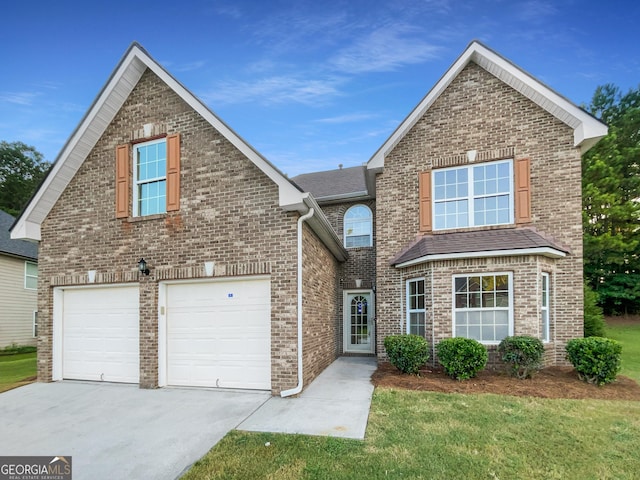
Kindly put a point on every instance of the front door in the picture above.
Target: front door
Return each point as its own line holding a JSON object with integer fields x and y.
{"x": 359, "y": 336}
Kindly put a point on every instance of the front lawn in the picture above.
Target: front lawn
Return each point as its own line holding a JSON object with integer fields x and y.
{"x": 16, "y": 370}
{"x": 444, "y": 436}
{"x": 627, "y": 333}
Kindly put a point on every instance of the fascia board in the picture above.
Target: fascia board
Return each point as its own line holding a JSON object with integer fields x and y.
{"x": 587, "y": 129}
{"x": 542, "y": 251}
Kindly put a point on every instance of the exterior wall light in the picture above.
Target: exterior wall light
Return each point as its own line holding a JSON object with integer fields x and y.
{"x": 142, "y": 266}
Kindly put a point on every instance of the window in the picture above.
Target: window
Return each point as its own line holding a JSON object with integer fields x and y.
{"x": 35, "y": 323}
{"x": 544, "y": 309}
{"x": 482, "y": 307}
{"x": 30, "y": 275}
{"x": 150, "y": 178}
{"x": 358, "y": 227}
{"x": 415, "y": 307}
{"x": 473, "y": 195}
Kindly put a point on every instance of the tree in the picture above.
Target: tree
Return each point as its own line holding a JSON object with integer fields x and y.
{"x": 21, "y": 170}
{"x": 610, "y": 194}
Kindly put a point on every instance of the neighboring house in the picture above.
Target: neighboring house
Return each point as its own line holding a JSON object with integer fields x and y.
{"x": 465, "y": 222}
{"x": 18, "y": 287}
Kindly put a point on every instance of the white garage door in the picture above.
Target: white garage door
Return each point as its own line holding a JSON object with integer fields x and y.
{"x": 101, "y": 334}
{"x": 219, "y": 334}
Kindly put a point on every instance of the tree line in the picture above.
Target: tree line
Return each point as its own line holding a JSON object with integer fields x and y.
{"x": 610, "y": 197}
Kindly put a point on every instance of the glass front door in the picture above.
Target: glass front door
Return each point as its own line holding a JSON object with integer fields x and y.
{"x": 358, "y": 312}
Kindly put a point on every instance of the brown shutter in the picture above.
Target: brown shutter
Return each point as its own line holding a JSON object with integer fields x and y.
{"x": 425, "y": 201}
{"x": 173, "y": 172}
{"x": 523, "y": 190}
{"x": 122, "y": 181}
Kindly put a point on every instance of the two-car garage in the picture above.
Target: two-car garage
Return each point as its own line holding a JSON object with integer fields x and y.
{"x": 213, "y": 333}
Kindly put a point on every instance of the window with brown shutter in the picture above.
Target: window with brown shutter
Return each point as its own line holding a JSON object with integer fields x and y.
{"x": 425, "y": 201}
{"x": 173, "y": 172}
{"x": 523, "y": 190}
{"x": 122, "y": 181}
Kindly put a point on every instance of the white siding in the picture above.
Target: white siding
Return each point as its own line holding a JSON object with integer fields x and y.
{"x": 17, "y": 304}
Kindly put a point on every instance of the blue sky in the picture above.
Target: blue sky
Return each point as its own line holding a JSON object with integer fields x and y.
{"x": 310, "y": 84}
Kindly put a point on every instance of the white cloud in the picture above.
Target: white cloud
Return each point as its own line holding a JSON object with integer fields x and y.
{"x": 187, "y": 67}
{"x": 19, "y": 98}
{"x": 275, "y": 90}
{"x": 385, "y": 49}
{"x": 347, "y": 118}
{"x": 535, "y": 11}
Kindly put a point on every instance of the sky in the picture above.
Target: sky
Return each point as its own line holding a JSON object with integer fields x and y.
{"x": 309, "y": 84}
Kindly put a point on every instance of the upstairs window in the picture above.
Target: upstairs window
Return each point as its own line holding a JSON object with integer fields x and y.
{"x": 473, "y": 195}
{"x": 358, "y": 227}
{"x": 150, "y": 184}
{"x": 30, "y": 275}
{"x": 150, "y": 178}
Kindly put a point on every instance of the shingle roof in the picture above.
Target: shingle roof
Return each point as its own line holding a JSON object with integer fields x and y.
{"x": 347, "y": 182}
{"x": 19, "y": 248}
{"x": 472, "y": 243}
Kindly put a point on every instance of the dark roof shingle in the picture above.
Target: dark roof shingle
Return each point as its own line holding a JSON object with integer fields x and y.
{"x": 474, "y": 242}
{"x": 19, "y": 248}
{"x": 347, "y": 182}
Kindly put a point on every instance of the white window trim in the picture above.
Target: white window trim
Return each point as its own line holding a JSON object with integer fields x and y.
{"x": 26, "y": 275}
{"x": 509, "y": 309}
{"x": 470, "y": 194}
{"x": 546, "y": 337}
{"x": 136, "y": 184}
{"x": 408, "y": 303}
{"x": 35, "y": 324}
{"x": 344, "y": 226}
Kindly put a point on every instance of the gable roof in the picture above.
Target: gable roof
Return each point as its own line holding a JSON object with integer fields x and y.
{"x": 475, "y": 244}
{"x": 587, "y": 129}
{"x": 16, "y": 248}
{"x": 104, "y": 108}
{"x": 339, "y": 184}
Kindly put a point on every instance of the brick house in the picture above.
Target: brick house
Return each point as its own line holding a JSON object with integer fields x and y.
{"x": 465, "y": 222}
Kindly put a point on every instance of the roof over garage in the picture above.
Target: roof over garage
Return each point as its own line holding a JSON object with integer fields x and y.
{"x": 104, "y": 108}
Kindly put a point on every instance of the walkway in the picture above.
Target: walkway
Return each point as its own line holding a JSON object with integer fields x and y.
{"x": 335, "y": 404}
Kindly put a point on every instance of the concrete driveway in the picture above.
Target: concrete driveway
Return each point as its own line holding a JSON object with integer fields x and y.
{"x": 120, "y": 431}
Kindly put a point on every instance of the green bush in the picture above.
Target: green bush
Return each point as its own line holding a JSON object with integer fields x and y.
{"x": 408, "y": 353}
{"x": 14, "y": 349}
{"x": 461, "y": 358}
{"x": 596, "y": 359}
{"x": 522, "y": 354}
{"x": 593, "y": 318}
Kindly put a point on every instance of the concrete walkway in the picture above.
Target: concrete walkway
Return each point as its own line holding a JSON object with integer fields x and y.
{"x": 335, "y": 404}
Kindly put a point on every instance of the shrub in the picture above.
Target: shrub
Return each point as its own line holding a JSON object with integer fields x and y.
{"x": 596, "y": 359}
{"x": 522, "y": 354}
{"x": 461, "y": 358}
{"x": 593, "y": 318}
{"x": 407, "y": 352}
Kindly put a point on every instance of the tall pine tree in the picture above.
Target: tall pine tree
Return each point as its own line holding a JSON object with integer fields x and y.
{"x": 611, "y": 208}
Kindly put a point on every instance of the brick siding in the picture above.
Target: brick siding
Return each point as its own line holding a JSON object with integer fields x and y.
{"x": 320, "y": 315}
{"x": 228, "y": 214}
{"x": 479, "y": 112}
{"x": 361, "y": 263}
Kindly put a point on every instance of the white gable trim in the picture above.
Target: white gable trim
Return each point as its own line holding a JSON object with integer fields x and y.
{"x": 101, "y": 113}
{"x": 542, "y": 251}
{"x": 587, "y": 130}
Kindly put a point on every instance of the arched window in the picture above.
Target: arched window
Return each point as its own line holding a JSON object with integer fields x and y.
{"x": 358, "y": 227}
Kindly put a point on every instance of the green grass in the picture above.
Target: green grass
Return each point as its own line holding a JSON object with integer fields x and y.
{"x": 629, "y": 336}
{"x": 15, "y": 369}
{"x": 448, "y": 436}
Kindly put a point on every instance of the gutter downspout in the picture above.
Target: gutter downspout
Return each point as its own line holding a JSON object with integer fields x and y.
{"x": 298, "y": 388}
